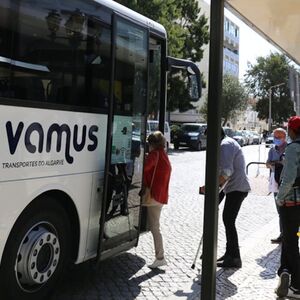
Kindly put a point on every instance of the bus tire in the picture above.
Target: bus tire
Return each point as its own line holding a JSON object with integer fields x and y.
{"x": 36, "y": 253}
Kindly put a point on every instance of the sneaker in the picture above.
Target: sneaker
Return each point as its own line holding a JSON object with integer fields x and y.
{"x": 283, "y": 284}
{"x": 158, "y": 263}
{"x": 293, "y": 293}
{"x": 230, "y": 262}
{"x": 277, "y": 240}
{"x": 221, "y": 258}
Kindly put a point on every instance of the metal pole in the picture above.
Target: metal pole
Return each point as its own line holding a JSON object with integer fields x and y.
{"x": 297, "y": 95}
{"x": 210, "y": 226}
{"x": 257, "y": 171}
{"x": 270, "y": 110}
{"x": 270, "y": 103}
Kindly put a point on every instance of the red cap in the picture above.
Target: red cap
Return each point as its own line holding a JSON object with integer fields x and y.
{"x": 294, "y": 122}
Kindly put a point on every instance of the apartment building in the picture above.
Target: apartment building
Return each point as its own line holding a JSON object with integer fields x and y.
{"x": 231, "y": 48}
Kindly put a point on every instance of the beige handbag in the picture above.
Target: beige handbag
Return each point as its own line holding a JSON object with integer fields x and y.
{"x": 147, "y": 199}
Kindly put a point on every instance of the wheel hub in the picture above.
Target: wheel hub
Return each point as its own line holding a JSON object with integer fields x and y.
{"x": 37, "y": 257}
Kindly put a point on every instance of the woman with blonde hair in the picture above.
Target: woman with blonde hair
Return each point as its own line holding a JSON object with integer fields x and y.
{"x": 157, "y": 172}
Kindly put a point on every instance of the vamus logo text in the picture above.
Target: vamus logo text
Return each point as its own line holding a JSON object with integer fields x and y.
{"x": 77, "y": 137}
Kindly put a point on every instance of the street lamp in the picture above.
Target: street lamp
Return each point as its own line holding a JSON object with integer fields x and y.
{"x": 270, "y": 104}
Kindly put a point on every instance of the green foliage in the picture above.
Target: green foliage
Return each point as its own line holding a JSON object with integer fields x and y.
{"x": 234, "y": 99}
{"x": 177, "y": 94}
{"x": 187, "y": 33}
{"x": 175, "y": 129}
{"x": 269, "y": 71}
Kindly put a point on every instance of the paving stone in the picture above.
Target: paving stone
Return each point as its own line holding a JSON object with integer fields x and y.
{"x": 128, "y": 277}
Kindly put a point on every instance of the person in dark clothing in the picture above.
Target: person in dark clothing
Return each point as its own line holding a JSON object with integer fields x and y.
{"x": 288, "y": 199}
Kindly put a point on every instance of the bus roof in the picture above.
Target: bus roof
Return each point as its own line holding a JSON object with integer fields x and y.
{"x": 276, "y": 20}
{"x": 134, "y": 16}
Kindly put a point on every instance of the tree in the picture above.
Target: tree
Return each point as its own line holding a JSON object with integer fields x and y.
{"x": 187, "y": 33}
{"x": 234, "y": 99}
{"x": 269, "y": 71}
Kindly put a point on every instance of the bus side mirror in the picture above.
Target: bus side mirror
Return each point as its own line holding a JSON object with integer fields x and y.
{"x": 194, "y": 92}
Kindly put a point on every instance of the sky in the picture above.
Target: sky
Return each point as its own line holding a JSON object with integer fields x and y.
{"x": 252, "y": 45}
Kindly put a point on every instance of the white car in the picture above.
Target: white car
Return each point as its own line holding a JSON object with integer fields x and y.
{"x": 269, "y": 140}
{"x": 152, "y": 125}
{"x": 240, "y": 138}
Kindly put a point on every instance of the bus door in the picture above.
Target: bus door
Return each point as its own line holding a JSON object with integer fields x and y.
{"x": 121, "y": 214}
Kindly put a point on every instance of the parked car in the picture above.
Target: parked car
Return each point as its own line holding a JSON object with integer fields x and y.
{"x": 240, "y": 138}
{"x": 228, "y": 131}
{"x": 256, "y": 137}
{"x": 191, "y": 135}
{"x": 174, "y": 128}
{"x": 249, "y": 136}
{"x": 152, "y": 125}
{"x": 269, "y": 140}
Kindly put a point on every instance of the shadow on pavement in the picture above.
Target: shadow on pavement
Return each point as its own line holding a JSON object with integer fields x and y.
{"x": 224, "y": 287}
{"x": 112, "y": 277}
{"x": 270, "y": 262}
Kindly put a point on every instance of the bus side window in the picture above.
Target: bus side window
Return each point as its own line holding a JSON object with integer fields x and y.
{"x": 28, "y": 88}
{"x": 66, "y": 65}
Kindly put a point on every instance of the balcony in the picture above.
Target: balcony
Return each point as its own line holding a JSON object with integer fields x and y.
{"x": 231, "y": 55}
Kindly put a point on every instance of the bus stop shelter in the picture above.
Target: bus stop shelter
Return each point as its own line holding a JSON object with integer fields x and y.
{"x": 277, "y": 21}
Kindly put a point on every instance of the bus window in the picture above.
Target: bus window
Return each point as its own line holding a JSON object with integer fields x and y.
{"x": 154, "y": 79}
{"x": 60, "y": 55}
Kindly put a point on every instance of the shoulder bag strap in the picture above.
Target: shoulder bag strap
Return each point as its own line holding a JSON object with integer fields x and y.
{"x": 154, "y": 170}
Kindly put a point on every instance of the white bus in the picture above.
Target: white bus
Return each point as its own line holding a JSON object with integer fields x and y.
{"x": 74, "y": 78}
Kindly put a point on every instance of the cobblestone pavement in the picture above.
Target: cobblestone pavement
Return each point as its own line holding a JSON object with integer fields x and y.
{"x": 128, "y": 277}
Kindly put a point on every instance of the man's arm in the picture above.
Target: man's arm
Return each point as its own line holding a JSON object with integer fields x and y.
{"x": 226, "y": 165}
{"x": 222, "y": 181}
{"x": 289, "y": 174}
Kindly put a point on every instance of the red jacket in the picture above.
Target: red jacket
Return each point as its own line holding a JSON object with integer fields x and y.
{"x": 160, "y": 185}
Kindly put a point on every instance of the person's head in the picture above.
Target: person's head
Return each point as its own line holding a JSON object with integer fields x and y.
{"x": 156, "y": 140}
{"x": 294, "y": 127}
{"x": 279, "y": 136}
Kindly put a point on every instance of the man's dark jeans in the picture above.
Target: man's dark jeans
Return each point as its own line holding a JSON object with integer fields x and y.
{"x": 232, "y": 206}
{"x": 290, "y": 259}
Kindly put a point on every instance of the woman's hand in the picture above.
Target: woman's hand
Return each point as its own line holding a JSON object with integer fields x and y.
{"x": 142, "y": 191}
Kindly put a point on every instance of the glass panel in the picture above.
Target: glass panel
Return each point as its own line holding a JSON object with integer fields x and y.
{"x": 6, "y": 26}
{"x": 154, "y": 79}
{"x": 61, "y": 54}
{"x": 130, "y": 95}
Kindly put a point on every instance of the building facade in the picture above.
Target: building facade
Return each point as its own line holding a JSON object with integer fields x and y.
{"x": 231, "y": 48}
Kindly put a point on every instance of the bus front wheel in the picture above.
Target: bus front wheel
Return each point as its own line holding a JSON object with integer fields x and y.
{"x": 36, "y": 252}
